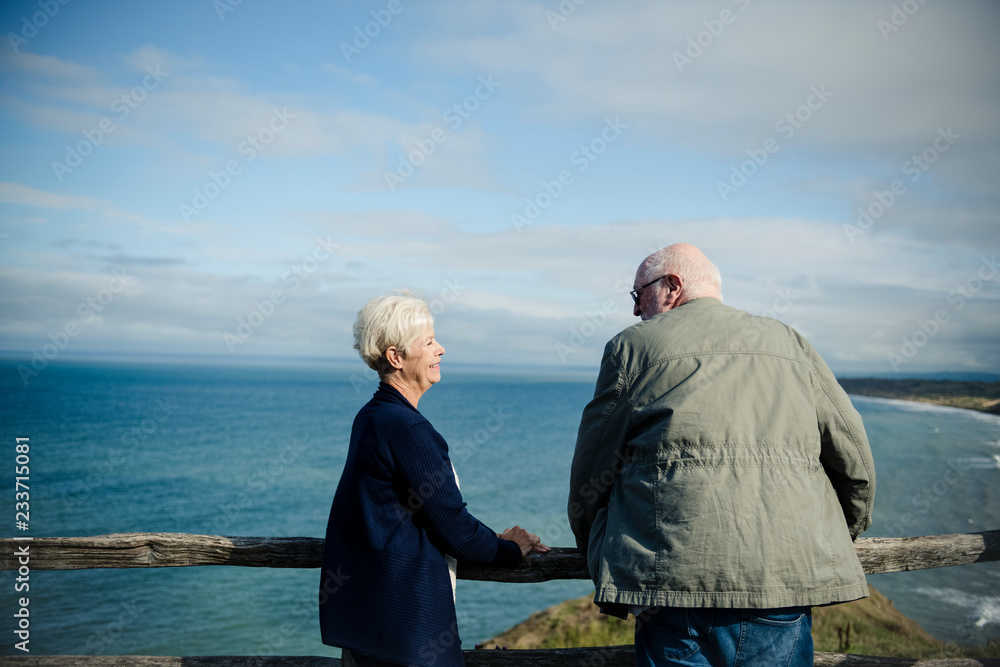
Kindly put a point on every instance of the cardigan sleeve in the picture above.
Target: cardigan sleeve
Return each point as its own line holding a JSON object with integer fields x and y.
{"x": 422, "y": 458}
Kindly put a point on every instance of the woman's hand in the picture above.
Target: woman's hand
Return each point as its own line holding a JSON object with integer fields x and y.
{"x": 527, "y": 541}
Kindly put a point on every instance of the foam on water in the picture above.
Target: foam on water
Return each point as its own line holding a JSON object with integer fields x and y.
{"x": 982, "y": 610}
{"x": 982, "y": 462}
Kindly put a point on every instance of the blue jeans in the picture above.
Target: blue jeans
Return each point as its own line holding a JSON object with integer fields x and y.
{"x": 724, "y": 637}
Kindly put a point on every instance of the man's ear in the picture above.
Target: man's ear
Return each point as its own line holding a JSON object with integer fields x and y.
{"x": 674, "y": 282}
{"x": 675, "y": 287}
{"x": 394, "y": 357}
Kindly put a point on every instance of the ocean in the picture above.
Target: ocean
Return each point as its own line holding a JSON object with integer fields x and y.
{"x": 257, "y": 450}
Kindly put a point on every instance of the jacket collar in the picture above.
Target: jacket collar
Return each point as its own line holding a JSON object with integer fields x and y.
{"x": 699, "y": 302}
{"x": 702, "y": 301}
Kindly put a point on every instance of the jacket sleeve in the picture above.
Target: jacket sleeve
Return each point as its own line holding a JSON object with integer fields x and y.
{"x": 422, "y": 459}
{"x": 600, "y": 445}
{"x": 845, "y": 453}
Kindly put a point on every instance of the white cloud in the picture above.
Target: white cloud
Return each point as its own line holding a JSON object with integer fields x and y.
{"x": 16, "y": 193}
{"x": 49, "y": 67}
{"x": 107, "y": 212}
{"x": 888, "y": 97}
{"x": 524, "y": 294}
{"x": 189, "y": 113}
{"x": 349, "y": 74}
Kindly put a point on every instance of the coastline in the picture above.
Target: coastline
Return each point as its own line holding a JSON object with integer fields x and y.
{"x": 977, "y": 396}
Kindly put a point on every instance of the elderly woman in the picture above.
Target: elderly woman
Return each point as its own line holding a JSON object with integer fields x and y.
{"x": 398, "y": 522}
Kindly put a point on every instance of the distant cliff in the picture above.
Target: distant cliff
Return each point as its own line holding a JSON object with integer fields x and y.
{"x": 982, "y": 396}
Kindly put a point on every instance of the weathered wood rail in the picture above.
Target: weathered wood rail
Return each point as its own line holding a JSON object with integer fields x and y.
{"x": 129, "y": 550}
{"x": 601, "y": 656}
{"x": 124, "y": 550}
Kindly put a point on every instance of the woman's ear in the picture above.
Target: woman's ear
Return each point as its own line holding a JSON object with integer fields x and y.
{"x": 394, "y": 358}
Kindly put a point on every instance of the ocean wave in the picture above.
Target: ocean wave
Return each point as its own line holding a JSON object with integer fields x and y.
{"x": 982, "y": 610}
{"x": 979, "y": 462}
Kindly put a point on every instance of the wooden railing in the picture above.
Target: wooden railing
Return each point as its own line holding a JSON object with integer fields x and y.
{"x": 127, "y": 550}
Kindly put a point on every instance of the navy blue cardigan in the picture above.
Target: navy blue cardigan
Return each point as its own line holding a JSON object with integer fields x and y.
{"x": 384, "y": 588}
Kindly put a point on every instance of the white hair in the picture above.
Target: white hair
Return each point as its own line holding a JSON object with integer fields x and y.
{"x": 701, "y": 277}
{"x": 392, "y": 320}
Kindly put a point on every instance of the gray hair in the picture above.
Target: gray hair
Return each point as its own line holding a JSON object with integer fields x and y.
{"x": 392, "y": 320}
{"x": 701, "y": 277}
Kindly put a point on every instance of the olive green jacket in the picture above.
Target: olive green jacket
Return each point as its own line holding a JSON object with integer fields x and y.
{"x": 719, "y": 464}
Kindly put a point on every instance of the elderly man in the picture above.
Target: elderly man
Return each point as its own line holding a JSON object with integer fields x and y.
{"x": 720, "y": 477}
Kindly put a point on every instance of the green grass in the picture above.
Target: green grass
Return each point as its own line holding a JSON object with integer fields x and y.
{"x": 872, "y": 626}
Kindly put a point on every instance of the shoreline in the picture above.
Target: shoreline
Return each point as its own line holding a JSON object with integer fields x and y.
{"x": 977, "y": 396}
{"x": 928, "y": 401}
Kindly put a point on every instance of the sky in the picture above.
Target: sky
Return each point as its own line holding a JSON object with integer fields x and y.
{"x": 234, "y": 179}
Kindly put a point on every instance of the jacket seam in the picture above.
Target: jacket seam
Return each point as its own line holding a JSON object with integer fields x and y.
{"x": 776, "y": 587}
{"x": 713, "y": 353}
{"x": 619, "y": 388}
{"x": 735, "y": 443}
{"x": 731, "y": 464}
{"x": 869, "y": 500}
